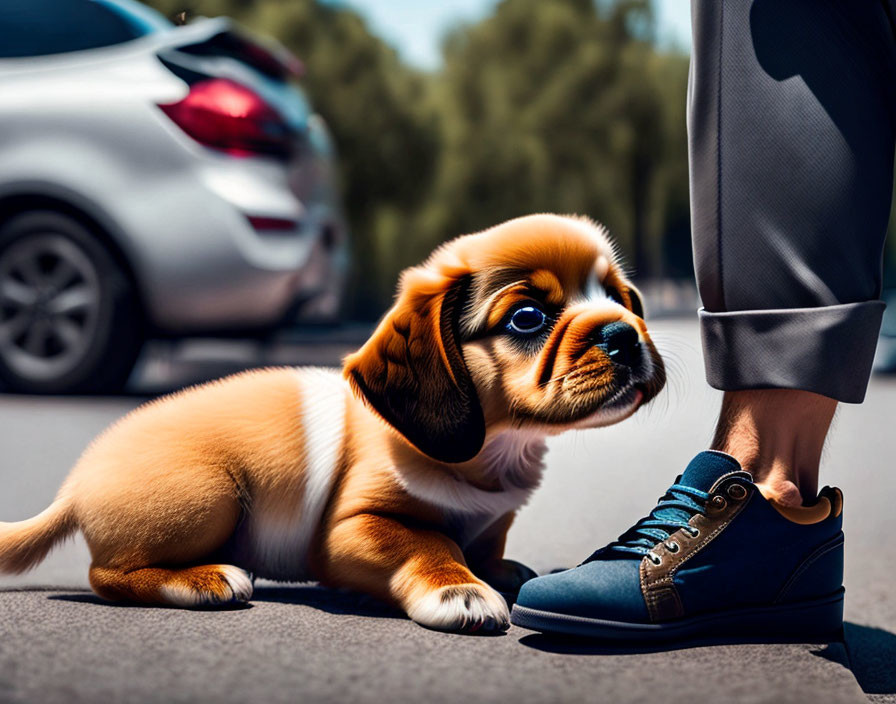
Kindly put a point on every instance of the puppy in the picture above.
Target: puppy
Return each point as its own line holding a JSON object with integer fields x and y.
{"x": 400, "y": 477}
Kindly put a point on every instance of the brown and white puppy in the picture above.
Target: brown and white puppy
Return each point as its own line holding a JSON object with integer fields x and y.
{"x": 400, "y": 477}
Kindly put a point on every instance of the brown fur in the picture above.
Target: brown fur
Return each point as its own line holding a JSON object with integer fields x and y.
{"x": 438, "y": 439}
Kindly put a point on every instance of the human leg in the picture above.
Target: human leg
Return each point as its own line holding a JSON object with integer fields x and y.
{"x": 777, "y": 435}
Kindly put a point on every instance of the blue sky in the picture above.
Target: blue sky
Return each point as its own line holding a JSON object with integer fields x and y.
{"x": 416, "y": 26}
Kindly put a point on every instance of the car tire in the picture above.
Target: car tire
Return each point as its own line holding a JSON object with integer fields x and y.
{"x": 70, "y": 321}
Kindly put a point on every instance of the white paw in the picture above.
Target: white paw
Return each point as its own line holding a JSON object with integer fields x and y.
{"x": 231, "y": 586}
{"x": 240, "y": 583}
{"x": 463, "y": 607}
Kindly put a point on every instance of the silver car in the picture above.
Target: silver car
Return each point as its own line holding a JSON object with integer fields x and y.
{"x": 154, "y": 181}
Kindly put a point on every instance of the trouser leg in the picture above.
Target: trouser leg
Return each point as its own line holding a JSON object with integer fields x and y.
{"x": 791, "y": 136}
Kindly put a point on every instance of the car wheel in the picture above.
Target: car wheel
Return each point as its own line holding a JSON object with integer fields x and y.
{"x": 69, "y": 317}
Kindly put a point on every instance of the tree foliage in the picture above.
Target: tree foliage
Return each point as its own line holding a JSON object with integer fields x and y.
{"x": 547, "y": 105}
{"x": 563, "y": 106}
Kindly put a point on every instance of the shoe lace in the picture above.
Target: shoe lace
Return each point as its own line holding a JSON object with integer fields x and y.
{"x": 672, "y": 512}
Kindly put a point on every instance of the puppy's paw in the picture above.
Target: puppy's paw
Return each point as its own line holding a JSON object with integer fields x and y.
{"x": 211, "y": 585}
{"x": 462, "y": 608}
{"x": 240, "y": 583}
{"x": 507, "y": 576}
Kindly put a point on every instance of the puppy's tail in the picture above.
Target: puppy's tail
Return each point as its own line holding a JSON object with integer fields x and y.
{"x": 25, "y": 543}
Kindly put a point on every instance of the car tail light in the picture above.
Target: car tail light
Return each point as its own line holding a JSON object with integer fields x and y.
{"x": 226, "y": 115}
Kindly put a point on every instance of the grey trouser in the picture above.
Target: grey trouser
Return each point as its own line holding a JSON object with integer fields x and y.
{"x": 791, "y": 123}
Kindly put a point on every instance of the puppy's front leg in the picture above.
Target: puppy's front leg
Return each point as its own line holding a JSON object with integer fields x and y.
{"x": 485, "y": 556}
{"x": 422, "y": 571}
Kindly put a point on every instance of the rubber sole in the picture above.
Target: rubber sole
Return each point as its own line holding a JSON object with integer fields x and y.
{"x": 805, "y": 619}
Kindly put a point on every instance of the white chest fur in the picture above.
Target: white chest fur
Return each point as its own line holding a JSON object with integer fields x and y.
{"x": 513, "y": 460}
{"x": 280, "y": 540}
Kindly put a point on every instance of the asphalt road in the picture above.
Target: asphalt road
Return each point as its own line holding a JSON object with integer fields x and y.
{"x": 302, "y": 643}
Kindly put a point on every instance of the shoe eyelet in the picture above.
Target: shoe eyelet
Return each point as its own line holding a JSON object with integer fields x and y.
{"x": 737, "y": 492}
{"x": 672, "y": 547}
{"x": 693, "y": 532}
{"x": 718, "y": 501}
{"x": 654, "y": 558}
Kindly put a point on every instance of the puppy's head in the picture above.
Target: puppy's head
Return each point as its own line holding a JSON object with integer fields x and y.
{"x": 528, "y": 324}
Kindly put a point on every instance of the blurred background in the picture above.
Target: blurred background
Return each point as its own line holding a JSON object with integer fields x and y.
{"x": 260, "y": 171}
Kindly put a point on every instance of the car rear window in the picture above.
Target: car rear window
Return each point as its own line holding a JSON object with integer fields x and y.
{"x": 41, "y": 27}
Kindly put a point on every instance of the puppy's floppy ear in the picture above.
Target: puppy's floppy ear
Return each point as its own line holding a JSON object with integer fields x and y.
{"x": 637, "y": 301}
{"x": 412, "y": 372}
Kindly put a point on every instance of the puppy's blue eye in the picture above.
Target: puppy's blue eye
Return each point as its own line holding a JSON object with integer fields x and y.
{"x": 526, "y": 320}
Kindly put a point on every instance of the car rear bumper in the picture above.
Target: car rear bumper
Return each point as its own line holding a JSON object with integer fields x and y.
{"x": 203, "y": 265}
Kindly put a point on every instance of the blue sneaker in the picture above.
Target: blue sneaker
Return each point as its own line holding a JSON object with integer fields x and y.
{"x": 714, "y": 558}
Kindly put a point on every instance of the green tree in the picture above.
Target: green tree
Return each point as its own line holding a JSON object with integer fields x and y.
{"x": 562, "y": 106}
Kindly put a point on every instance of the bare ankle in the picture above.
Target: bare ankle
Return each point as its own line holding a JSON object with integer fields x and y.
{"x": 777, "y": 435}
{"x": 781, "y": 491}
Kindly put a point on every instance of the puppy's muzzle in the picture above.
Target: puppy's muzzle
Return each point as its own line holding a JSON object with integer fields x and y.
{"x": 620, "y": 342}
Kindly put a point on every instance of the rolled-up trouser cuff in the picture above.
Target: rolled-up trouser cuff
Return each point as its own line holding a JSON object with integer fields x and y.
{"x": 828, "y": 350}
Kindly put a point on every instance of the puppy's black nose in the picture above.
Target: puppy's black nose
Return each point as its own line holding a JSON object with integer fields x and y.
{"x": 620, "y": 341}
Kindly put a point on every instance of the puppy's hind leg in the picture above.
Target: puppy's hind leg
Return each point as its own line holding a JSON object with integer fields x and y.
{"x": 186, "y": 587}
{"x": 152, "y": 542}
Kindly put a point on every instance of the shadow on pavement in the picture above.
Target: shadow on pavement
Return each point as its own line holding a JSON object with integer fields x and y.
{"x": 872, "y": 656}
{"x": 89, "y": 598}
{"x": 332, "y": 601}
{"x": 571, "y": 645}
